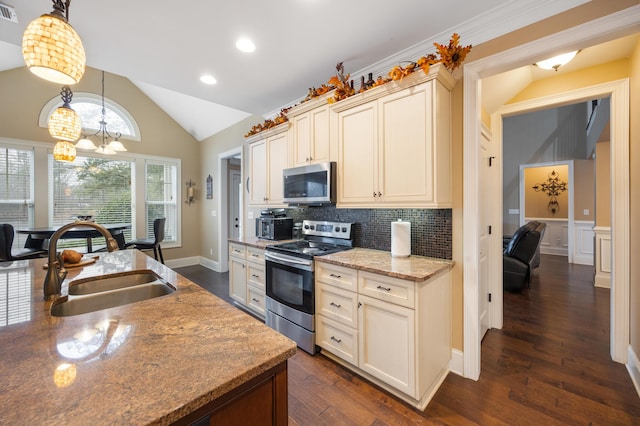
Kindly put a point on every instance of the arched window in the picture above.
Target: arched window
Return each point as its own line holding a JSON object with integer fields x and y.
{"x": 89, "y": 108}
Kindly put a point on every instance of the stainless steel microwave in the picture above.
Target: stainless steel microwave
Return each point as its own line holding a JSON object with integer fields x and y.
{"x": 314, "y": 184}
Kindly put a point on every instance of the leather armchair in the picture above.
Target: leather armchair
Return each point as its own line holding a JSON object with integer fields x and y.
{"x": 519, "y": 254}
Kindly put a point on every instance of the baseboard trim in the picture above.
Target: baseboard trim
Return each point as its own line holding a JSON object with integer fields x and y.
{"x": 211, "y": 264}
{"x": 184, "y": 261}
{"x": 456, "y": 363}
{"x": 633, "y": 366}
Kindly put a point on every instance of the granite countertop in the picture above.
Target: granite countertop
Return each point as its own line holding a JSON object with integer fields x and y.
{"x": 256, "y": 242}
{"x": 149, "y": 362}
{"x": 413, "y": 268}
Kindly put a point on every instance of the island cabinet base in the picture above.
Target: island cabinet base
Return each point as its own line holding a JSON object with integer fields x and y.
{"x": 260, "y": 401}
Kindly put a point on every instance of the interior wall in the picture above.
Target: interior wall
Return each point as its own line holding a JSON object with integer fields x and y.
{"x": 24, "y": 95}
{"x": 584, "y": 194}
{"x": 603, "y": 184}
{"x": 536, "y": 202}
{"x": 210, "y": 148}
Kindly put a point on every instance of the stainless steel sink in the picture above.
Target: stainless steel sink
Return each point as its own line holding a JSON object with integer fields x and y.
{"x": 109, "y": 291}
{"x": 112, "y": 282}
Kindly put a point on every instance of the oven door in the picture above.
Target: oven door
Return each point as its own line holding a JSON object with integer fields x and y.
{"x": 289, "y": 281}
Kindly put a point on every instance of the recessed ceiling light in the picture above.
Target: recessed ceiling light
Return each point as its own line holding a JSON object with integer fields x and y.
{"x": 208, "y": 79}
{"x": 245, "y": 45}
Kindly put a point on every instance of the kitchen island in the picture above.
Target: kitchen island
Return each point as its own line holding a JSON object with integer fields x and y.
{"x": 170, "y": 359}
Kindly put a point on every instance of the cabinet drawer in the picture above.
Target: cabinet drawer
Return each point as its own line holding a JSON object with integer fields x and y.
{"x": 238, "y": 250}
{"x": 337, "y": 304}
{"x": 255, "y": 300}
{"x": 339, "y": 276}
{"x": 255, "y": 275}
{"x": 394, "y": 290}
{"x": 255, "y": 255}
{"x": 340, "y": 340}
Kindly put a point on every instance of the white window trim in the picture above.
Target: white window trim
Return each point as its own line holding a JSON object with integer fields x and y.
{"x": 89, "y": 97}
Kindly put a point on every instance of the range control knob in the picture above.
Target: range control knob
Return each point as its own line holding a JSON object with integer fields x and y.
{"x": 306, "y": 227}
{"x": 337, "y": 229}
{"x": 344, "y": 229}
{"x": 312, "y": 227}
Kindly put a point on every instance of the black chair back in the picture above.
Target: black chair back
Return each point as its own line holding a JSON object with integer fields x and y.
{"x": 6, "y": 241}
{"x": 158, "y": 230}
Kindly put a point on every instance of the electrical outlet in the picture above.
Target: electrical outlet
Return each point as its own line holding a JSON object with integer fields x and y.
{"x": 250, "y": 215}
{"x": 514, "y": 211}
{"x": 214, "y": 213}
{"x": 211, "y": 252}
{"x": 585, "y": 212}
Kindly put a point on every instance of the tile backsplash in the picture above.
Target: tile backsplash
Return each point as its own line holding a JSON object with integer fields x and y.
{"x": 430, "y": 228}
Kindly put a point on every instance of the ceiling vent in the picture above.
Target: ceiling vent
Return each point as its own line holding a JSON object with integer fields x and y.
{"x": 8, "y": 13}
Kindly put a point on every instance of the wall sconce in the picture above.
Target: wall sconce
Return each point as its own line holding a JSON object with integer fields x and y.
{"x": 553, "y": 187}
{"x": 190, "y": 192}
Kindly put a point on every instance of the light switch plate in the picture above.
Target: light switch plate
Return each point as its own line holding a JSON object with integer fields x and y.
{"x": 514, "y": 211}
{"x": 214, "y": 213}
{"x": 250, "y": 215}
{"x": 585, "y": 212}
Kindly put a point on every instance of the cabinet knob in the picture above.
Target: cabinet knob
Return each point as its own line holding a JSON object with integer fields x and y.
{"x": 374, "y": 194}
{"x": 379, "y": 194}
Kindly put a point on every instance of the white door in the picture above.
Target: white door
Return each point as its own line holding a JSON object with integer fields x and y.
{"x": 486, "y": 228}
{"x": 234, "y": 203}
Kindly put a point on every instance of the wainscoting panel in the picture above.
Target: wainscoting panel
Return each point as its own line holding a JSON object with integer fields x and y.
{"x": 583, "y": 252}
{"x": 603, "y": 256}
{"x": 556, "y": 236}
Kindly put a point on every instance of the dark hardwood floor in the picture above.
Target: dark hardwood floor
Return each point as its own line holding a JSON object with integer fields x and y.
{"x": 549, "y": 365}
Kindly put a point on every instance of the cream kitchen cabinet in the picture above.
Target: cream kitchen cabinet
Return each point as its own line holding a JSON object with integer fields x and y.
{"x": 238, "y": 273}
{"x": 267, "y": 159}
{"x": 247, "y": 277}
{"x": 393, "y": 331}
{"x": 309, "y": 133}
{"x": 394, "y": 143}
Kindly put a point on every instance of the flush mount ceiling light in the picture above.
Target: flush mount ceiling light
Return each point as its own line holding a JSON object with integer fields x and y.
{"x": 208, "y": 79}
{"x": 64, "y": 122}
{"x": 245, "y": 45}
{"x": 557, "y": 61}
{"x": 106, "y": 147}
{"x": 52, "y": 49}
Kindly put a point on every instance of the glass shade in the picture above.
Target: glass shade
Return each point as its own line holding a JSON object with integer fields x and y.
{"x": 64, "y": 124}
{"x": 557, "y": 61}
{"x": 105, "y": 149}
{"x": 64, "y": 151}
{"x": 53, "y": 50}
{"x": 116, "y": 145}
{"x": 85, "y": 143}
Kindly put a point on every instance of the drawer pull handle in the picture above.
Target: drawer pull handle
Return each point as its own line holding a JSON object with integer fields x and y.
{"x": 255, "y": 276}
{"x": 335, "y": 276}
{"x": 333, "y": 304}
{"x": 255, "y": 255}
{"x": 255, "y": 300}
{"x": 336, "y": 340}
{"x": 384, "y": 288}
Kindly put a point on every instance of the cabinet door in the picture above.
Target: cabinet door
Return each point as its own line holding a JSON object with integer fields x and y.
{"x": 406, "y": 147}
{"x": 301, "y": 139}
{"x": 237, "y": 280}
{"x": 387, "y": 343}
{"x": 357, "y": 142}
{"x": 319, "y": 147}
{"x": 258, "y": 172}
{"x": 277, "y": 161}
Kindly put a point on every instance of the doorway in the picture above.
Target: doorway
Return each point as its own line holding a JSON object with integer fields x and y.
{"x": 577, "y": 37}
{"x": 227, "y": 161}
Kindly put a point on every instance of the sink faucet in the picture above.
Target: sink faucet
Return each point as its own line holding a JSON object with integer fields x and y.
{"x": 55, "y": 271}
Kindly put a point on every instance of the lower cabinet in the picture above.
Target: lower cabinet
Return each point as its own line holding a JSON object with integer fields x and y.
{"x": 394, "y": 332}
{"x": 247, "y": 277}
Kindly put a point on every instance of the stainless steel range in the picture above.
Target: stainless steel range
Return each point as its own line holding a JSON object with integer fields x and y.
{"x": 290, "y": 279}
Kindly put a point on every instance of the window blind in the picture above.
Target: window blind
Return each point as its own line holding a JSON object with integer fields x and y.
{"x": 161, "y": 196}
{"x": 16, "y": 189}
{"x": 102, "y": 188}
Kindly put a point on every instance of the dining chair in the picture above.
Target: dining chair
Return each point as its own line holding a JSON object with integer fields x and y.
{"x": 151, "y": 243}
{"x": 7, "y": 253}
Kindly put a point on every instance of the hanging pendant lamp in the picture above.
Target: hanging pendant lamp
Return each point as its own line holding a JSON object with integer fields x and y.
{"x": 51, "y": 47}
{"x": 64, "y": 151}
{"x": 64, "y": 122}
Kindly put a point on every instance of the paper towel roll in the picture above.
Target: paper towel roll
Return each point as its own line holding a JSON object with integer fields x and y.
{"x": 400, "y": 239}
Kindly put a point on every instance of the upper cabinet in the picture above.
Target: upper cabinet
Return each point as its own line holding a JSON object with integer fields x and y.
{"x": 394, "y": 143}
{"x": 309, "y": 134}
{"x": 267, "y": 158}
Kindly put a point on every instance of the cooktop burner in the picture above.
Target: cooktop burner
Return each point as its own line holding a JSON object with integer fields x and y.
{"x": 320, "y": 238}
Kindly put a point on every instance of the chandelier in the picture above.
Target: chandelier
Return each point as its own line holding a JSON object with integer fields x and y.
{"x": 52, "y": 49}
{"x": 64, "y": 125}
{"x": 103, "y": 135}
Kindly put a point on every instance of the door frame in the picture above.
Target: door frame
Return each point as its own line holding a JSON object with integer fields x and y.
{"x": 597, "y": 31}
{"x": 570, "y": 198}
{"x": 223, "y": 198}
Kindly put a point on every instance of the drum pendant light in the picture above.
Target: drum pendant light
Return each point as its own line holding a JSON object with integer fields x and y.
{"x": 52, "y": 49}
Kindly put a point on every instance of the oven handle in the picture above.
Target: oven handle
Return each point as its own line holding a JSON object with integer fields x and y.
{"x": 288, "y": 260}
